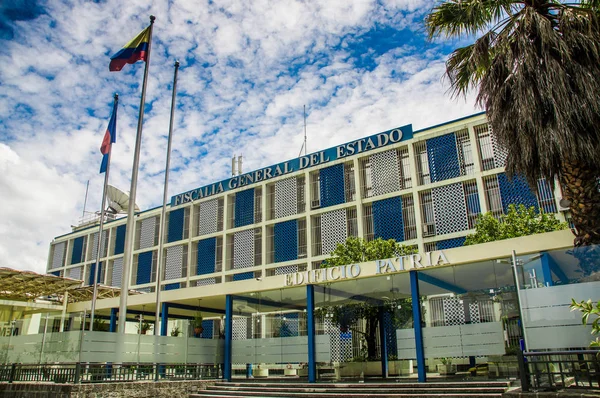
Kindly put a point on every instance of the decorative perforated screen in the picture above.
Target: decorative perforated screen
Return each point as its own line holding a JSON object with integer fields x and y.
{"x": 243, "y": 249}
{"x": 147, "y": 232}
{"x": 208, "y": 218}
{"x": 285, "y": 241}
{"x": 74, "y": 273}
{"x": 95, "y": 245}
{"x": 387, "y": 219}
{"x": 384, "y": 174}
{"x": 454, "y": 311}
{"x": 286, "y": 197}
{"x": 333, "y": 229}
{"x": 449, "y": 209}
{"x": 174, "y": 262}
{"x": 117, "y": 272}
{"x": 58, "y": 256}
{"x": 288, "y": 269}
{"x": 240, "y": 328}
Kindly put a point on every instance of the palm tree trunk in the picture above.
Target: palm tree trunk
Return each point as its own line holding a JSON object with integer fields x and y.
{"x": 581, "y": 187}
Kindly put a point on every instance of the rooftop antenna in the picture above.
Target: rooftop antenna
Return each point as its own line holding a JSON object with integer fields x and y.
{"x": 239, "y": 165}
{"x": 118, "y": 201}
{"x": 87, "y": 187}
{"x": 304, "y": 144}
{"x": 233, "y": 166}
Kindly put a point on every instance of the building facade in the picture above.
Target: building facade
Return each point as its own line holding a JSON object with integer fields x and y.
{"x": 248, "y": 250}
{"x": 424, "y": 189}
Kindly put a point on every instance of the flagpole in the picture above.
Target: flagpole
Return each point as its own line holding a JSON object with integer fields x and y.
{"x": 161, "y": 230}
{"x": 130, "y": 228}
{"x": 100, "y": 233}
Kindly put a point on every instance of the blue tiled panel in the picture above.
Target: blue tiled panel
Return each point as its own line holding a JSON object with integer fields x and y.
{"x": 176, "y": 225}
{"x": 208, "y": 326}
{"x": 243, "y": 276}
{"x": 77, "y": 253}
{"x": 450, "y": 243}
{"x": 443, "y": 157}
{"x": 387, "y": 219}
{"x": 144, "y": 271}
{"x": 172, "y": 286}
{"x": 390, "y": 334}
{"x": 120, "y": 239}
{"x": 244, "y": 208}
{"x": 331, "y": 185}
{"x": 207, "y": 249}
{"x": 92, "y": 271}
{"x": 286, "y": 241}
{"x": 516, "y": 191}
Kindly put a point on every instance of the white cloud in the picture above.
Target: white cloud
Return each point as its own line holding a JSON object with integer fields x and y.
{"x": 247, "y": 68}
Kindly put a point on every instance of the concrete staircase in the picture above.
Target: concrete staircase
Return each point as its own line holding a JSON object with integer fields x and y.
{"x": 484, "y": 389}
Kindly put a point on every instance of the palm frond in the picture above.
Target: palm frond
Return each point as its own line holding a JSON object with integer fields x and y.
{"x": 467, "y": 65}
{"x": 456, "y": 18}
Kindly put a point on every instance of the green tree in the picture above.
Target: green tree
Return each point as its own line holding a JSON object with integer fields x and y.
{"x": 519, "y": 221}
{"x": 588, "y": 308}
{"x": 536, "y": 65}
{"x": 357, "y": 250}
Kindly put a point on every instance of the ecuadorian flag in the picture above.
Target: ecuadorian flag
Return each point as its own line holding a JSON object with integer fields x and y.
{"x": 135, "y": 50}
{"x": 110, "y": 137}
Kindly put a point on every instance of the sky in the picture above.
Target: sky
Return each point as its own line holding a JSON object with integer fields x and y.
{"x": 247, "y": 69}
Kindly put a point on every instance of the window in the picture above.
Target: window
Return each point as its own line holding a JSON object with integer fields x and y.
{"x": 465, "y": 153}
{"x": 492, "y": 195}
{"x": 486, "y": 148}
{"x": 427, "y": 214}
{"x": 472, "y": 202}
{"x": 408, "y": 216}
{"x": 422, "y": 163}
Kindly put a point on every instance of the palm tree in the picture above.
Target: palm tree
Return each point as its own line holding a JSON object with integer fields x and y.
{"x": 536, "y": 64}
